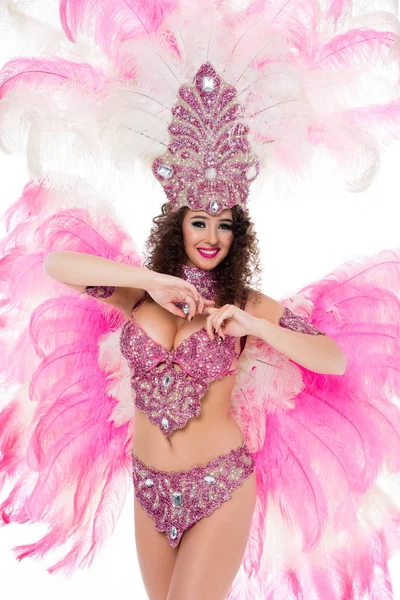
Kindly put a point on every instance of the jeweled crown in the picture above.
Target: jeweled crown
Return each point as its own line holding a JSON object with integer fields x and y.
{"x": 209, "y": 164}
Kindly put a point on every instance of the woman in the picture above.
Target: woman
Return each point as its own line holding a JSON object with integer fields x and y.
{"x": 218, "y": 253}
{"x": 220, "y": 89}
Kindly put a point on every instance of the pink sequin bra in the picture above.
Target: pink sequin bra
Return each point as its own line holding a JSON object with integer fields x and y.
{"x": 169, "y": 384}
{"x": 168, "y": 396}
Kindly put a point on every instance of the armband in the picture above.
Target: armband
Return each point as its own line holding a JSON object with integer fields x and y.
{"x": 100, "y": 291}
{"x": 292, "y": 321}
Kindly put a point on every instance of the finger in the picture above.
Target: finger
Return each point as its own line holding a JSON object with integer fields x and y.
{"x": 209, "y": 327}
{"x": 224, "y": 314}
{"x": 209, "y": 310}
{"x": 192, "y": 307}
{"x": 200, "y": 305}
{"x": 194, "y": 293}
{"x": 175, "y": 310}
{"x": 208, "y": 302}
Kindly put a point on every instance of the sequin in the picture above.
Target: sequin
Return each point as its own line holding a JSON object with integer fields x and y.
{"x": 179, "y": 499}
{"x": 100, "y": 291}
{"x": 168, "y": 396}
{"x": 290, "y": 320}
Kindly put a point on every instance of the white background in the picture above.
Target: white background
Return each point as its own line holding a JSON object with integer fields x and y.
{"x": 304, "y": 233}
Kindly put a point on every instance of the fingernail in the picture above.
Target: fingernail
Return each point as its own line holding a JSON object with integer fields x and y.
{"x": 190, "y": 318}
{"x": 220, "y": 338}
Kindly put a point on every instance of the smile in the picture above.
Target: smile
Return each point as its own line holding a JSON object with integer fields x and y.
{"x": 208, "y": 253}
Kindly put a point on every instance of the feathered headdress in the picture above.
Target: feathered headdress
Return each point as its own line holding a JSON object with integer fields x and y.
{"x": 304, "y": 74}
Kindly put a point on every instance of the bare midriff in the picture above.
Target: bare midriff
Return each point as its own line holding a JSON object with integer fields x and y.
{"x": 213, "y": 433}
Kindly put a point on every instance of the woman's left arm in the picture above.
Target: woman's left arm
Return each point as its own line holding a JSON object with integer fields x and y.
{"x": 314, "y": 351}
{"x": 303, "y": 344}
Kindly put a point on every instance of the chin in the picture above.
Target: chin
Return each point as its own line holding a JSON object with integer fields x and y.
{"x": 206, "y": 263}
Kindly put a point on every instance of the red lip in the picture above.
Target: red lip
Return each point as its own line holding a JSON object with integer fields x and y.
{"x": 208, "y": 254}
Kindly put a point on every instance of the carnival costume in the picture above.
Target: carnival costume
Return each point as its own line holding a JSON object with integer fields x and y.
{"x": 247, "y": 88}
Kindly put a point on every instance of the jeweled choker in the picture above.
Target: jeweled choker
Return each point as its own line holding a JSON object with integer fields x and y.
{"x": 204, "y": 280}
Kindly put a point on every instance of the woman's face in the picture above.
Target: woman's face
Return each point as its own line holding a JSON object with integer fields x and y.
{"x": 207, "y": 238}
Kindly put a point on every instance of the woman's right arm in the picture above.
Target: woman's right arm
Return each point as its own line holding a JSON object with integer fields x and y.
{"x": 79, "y": 271}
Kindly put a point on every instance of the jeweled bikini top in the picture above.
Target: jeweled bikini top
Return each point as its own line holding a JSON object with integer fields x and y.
{"x": 168, "y": 396}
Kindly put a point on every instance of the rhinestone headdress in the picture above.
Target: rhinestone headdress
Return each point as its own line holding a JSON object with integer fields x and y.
{"x": 209, "y": 164}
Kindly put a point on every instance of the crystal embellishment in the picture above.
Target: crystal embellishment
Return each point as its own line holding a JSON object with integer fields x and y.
{"x": 165, "y": 171}
{"x": 186, "y": 309}
{"x": 208, "y": 84}
{"x": 208, "y": 148}
{"x": 209, "y": 479}
{"x": 214, "y": 206}
{"x": 211, "y": 174}
{"x": 165, "y": 423}
{"x": 166, "y": 380}
{"x": 251, "y": 173}
{"x": 149, "y": 482}
{"x": 177, "y": 499}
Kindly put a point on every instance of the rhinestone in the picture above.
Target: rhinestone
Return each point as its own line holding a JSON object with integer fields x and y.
{"x": 186, "y": 309}
{"x": 209, "y": 479}
{"x": 177, "y": 499}
{"x": 165, "y": 423}
{"x": 251, "y": 172}
{"x": 149, "y": 482}
{"x": 173, "y": 533}
{"x": 211, "y": 174}
{"x": 214, "y": 206}
{"x": 166, "y": 380}
{"x": 165, "y": 171}
{"x": 207, "y": 84}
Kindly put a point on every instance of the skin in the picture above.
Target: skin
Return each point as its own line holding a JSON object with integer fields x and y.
{"x": 209, "y": 555}
{"x": 191, "y": 570}
{"x": 207, "y": 559}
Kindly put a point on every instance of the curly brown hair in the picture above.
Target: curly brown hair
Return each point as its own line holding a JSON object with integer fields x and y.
{"x": 237, "y": 274}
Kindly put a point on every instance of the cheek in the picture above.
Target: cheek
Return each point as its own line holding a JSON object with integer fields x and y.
{"x": 190, "y": 235}
{"x": 228, "y": 240}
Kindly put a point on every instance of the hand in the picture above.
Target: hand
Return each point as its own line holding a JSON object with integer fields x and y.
{"x": 167, "y": 289}
{"x": 229, "y": 320}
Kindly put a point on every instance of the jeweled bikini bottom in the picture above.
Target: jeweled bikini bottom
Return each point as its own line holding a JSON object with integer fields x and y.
{"x": 176, "y": 500}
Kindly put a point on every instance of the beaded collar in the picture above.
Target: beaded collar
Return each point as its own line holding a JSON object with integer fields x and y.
{"x": 204, "y": 280}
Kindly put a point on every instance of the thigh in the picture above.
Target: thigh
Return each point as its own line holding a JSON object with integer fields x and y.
{"x": 211, "y": 551}
{"x": 155, "y": 555}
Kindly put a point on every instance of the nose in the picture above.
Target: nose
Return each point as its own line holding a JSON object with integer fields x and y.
{"x": 211, "y": 236}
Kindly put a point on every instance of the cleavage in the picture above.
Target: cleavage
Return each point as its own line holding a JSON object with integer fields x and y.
{"x": 168, "y": 327}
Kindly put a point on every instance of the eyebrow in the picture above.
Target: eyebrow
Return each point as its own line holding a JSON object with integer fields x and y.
{"x": 203, "y": 217}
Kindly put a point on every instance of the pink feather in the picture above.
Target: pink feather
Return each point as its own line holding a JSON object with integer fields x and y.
{"x": 45, "y": 73}
{"x": 59, "y": 438}
{"x": 318, "y": 457}
{"x": 114, "y": 21}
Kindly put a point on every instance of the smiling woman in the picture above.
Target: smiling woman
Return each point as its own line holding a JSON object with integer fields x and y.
{"x": 254, "y": 430}
{"x": 206, "y": 237}
{"x": 185, "y": 236}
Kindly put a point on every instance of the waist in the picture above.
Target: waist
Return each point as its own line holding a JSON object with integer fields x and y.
{"x": 202, "y": 439}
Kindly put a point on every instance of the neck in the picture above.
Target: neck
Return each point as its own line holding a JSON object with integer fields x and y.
{"x": 204, "y": 280}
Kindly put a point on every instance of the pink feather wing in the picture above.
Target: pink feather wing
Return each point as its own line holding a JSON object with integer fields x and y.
{"x": 61, "y": 443}
{"x": 323, "y": 525}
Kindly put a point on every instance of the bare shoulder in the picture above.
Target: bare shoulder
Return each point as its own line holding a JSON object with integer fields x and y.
{"x": 263, "y": 306}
